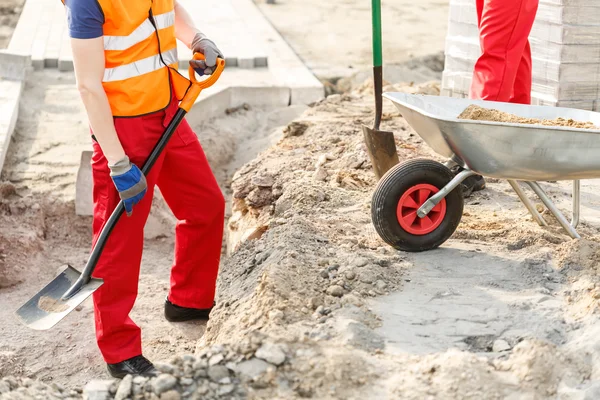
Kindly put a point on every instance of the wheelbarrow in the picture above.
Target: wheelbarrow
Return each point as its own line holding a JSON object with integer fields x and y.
{"x": 418, "y": 204}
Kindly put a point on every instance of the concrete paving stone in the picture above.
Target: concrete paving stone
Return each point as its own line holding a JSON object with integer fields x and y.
{"x": 10, "y": 93}
{"x": 55, "y": 38}
{"x": 42, "y": 32}
{"x": 14, "y": 66}
{"x": 22, "y": 38}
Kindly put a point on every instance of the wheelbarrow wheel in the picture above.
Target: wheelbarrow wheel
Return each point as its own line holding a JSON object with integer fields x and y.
{"x": 398, "y": 196}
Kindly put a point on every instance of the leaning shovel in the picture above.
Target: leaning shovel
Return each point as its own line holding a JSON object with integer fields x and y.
{"x": 380, "y": 144}
{"x": 70, "y": 288}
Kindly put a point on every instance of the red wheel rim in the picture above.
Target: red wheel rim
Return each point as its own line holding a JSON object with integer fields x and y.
{"x": 410, "y": 202}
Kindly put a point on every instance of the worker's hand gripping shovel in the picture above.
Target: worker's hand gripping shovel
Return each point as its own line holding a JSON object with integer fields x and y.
{"x": 380, "y": 144}
{"x": 70, "y": 288}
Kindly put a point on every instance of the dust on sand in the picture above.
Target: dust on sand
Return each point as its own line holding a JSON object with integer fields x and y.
{"x": 477, "y": 113}
{"x": 9, "y": 15}
{"x": 51, "y": 305}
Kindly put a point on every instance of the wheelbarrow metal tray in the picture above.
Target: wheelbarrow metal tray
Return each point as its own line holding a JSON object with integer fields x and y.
{"x": 506, "y": 150}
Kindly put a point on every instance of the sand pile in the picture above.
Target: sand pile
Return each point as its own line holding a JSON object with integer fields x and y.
{"x": 477, "y": 113}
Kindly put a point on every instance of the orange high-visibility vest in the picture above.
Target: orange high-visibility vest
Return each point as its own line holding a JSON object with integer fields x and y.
{"x": 141, "y": 60}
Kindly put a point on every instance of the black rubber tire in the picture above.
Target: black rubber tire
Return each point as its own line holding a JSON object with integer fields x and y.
{"x": 390, "y": 189}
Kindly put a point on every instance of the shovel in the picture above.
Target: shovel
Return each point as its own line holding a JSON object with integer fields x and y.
{"x": 70, "y": 288}
{"x": 380, "y": 144}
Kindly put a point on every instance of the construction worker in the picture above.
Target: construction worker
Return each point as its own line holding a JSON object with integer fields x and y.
{"x": 503, "y": 71}
{"x": 125, "y": 59}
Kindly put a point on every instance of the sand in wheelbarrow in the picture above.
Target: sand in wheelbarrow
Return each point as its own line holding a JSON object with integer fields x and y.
{"x": 477, "y": 113}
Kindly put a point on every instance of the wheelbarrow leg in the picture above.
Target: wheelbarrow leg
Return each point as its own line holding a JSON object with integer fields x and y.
{"x": 553, "y": 209}
{"x": 576, "y": 203}
{"x": 436, "y": 198}
{"x": 528, "y": 204}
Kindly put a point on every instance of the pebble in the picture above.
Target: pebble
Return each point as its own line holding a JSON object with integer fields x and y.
{"x": 200, "y": 364}
{"x": 335, "y": 290}
{"x": 186, "y": 381}
{"x": 217, "y": 372}
{"x": 360, "y": 262}
{"x": 350, "y": 275}
{"x": 4, "y": 387}
{"x": 170, "y": 395}
{"x": 124, "y": 389}
{"x": 163, "y": 383}
{"x": 225, "y": 390}
{"x": 500, "y": 345}
{"x": 276, "y": 315}
{"x": 381, "y": 285}
{"x": 324, "y": 274}
{"x": 214, "y": 360}
{"x": 262, "y": 180}
{"x": 314, "y": 302}
{"x": 253, "y": 368}
{"x": 320, "y": 174}
{"x": 164, "y": 368}
{"x": 271, "y": 353}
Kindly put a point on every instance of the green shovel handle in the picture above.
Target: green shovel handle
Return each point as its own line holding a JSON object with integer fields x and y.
{"x": 377, "y": 46}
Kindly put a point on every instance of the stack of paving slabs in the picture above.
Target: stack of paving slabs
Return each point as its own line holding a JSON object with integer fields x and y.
{"x": 565, "y": 44}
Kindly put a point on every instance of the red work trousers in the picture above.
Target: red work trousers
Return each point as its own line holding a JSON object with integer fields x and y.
{"x": 191, "y": 191}
{"x": 503, "y": 71}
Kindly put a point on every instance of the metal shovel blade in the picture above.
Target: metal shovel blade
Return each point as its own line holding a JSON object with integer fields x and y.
{"x": 382, "y": 150}
{"x": 46, "y": 309}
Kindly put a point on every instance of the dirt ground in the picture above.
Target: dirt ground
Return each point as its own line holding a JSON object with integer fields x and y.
{"x": 333, "y": 37}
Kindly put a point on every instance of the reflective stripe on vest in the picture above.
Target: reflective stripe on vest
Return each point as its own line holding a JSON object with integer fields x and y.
{"x": 140, "y": 67}
{"x": 140, "y": 34}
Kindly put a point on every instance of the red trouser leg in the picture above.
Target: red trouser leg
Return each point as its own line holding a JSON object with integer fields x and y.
{"x": 119, "y": 338}
{"x": 522, "y": 87}
{"x": 193, "y": 194}
{"x": 504, "y": 27}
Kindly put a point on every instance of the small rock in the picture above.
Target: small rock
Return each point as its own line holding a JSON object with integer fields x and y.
{"x": 27, "y": 382}
{"x": 4, "y": 387}
{"x": 225, "y": 390}
{"x": 124, "y": 389}
{"x": 360, "y": 262}
{"x": 335, "y": 290}
{"x": 314, "y": 302}
{"x": 350, "y": 275}
{"x": 266, "y": 181}
{"x": 188, "y": 358}
{"x": 163, "y": 383}
{"x": 186, "y": 381}
{"x": 271, "y": 353}
{"x": 367, "y": 276}
{"x": 276, "y": 315}
{"x": 97, "y": 390}
{"x": 253, "y": 368}
{"x": 321, "y": 161}
{"x": 320, "y": 174}
{"x": 381, "y": 285}
{"x": 12, "y": 382}
{"x": 217, "y": 372}
{"x": 200, "y": 364}
{"x": 164, "y": 368}
{"x": 324, "y": 274}
{"x": 214, "y": 360}
{"x": 500, "y": 346}
{"x": 170, "y": 395}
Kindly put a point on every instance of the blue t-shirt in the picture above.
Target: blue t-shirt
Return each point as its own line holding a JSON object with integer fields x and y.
{"x": 84, "y": 18}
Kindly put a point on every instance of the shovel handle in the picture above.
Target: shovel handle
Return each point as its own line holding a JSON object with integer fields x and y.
{"x": 186, "y": 104}
{"x": 198, "y": 86}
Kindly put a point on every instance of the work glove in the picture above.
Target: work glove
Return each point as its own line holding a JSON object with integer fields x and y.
{"x": 129, "y": 181}
{"x": 202, "y": 44}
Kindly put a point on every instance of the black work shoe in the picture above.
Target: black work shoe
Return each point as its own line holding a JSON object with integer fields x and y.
{"x": 138, "y": 365}
{"x": 174, "y": 313}
{"x": 472, "y": 184}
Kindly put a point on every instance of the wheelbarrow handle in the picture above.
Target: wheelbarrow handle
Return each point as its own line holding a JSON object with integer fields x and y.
{"x": 185, "y": 105}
